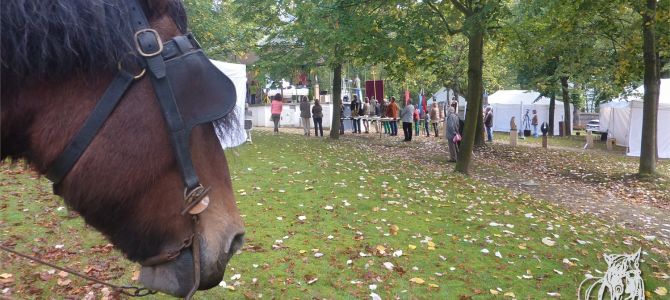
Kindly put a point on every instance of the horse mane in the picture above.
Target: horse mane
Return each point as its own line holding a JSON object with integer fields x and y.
{"x": 52, "y": 39}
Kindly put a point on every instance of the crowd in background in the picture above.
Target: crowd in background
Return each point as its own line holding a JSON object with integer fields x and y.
{"x": 383, "y": 115}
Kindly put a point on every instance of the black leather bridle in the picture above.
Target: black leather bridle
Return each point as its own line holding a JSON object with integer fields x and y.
{"x": 210, "y": 96}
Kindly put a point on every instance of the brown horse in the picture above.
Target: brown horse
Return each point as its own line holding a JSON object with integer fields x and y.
{"x": 58, "y": 58}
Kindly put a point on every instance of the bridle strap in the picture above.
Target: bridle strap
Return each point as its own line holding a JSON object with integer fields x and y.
{"x": 149, "y": 42}
{"x": 105, "y": 106}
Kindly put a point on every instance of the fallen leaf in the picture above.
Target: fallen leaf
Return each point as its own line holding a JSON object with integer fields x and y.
{"x": 417, "y": 280}
{"x": 393, "y": 229}
{"x": 63, "y": 282}
{"x": 548, "y": 241}
{"x": 661, "y": 291}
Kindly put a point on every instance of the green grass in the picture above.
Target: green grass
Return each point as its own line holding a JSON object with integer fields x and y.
{"x": 371, "y": 189}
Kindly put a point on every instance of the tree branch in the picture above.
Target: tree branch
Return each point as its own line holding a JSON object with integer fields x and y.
{"x": 444, "y": 19}
{"x": 461, "y": 7}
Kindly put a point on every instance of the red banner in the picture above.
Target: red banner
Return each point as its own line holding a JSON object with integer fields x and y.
{"x": 374, "y": 88}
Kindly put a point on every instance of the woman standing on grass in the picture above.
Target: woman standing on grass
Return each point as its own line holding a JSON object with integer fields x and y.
{"x": 275, "y": 109}
{"x": 317, "y": 115}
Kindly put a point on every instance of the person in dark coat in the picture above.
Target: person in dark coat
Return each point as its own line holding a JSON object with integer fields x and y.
{"x": 305, "y": 115}
{"x": 317, "y": 115}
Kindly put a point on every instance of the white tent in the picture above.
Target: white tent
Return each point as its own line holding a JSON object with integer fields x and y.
{"x": 442, "y": 94}
{"x": 622, "y": 120}
{"x": 514, "y": 103}
{"x": 238, "y": 74}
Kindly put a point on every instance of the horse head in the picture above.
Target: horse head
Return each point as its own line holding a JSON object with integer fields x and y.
{"x": 58, "y": 59}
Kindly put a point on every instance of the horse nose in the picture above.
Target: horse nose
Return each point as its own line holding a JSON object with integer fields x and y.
{"x": 235, "y": 243}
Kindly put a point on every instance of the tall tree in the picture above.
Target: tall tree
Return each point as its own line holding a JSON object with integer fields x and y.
{"x": 474, "y": 19}
{"x": 652, "y": 82}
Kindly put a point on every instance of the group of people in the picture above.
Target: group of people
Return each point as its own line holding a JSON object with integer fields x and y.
{"x": 410, "y": 116}
{"x": 362, "y": 111}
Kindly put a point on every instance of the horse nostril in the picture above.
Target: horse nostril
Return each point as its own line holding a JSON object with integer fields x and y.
{"x": 237, "y": 243}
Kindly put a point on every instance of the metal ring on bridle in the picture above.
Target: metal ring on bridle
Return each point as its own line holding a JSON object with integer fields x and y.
{"x": 139, "y": 75}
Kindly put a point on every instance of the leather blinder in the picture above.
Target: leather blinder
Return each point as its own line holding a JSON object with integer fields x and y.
{"x": 202, "y": 92}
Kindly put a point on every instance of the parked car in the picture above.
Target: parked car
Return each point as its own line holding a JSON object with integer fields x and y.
{"x": 593, "y": 125}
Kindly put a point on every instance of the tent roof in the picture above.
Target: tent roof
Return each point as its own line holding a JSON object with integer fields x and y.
{"x": 638, "y": 94}
{"x": 517, "y": 97}
{"x": 441, "y": 96}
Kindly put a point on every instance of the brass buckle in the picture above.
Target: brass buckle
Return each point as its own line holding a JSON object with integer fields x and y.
{"x": 159, "y": 42}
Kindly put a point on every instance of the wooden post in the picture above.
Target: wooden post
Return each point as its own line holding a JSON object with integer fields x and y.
{"x": 513, "y": 137}
{"x": 589, "y": 140}
{"x": 544, "y": 141}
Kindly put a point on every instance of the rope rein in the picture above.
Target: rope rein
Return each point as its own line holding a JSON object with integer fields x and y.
{"x": 127, "y": 290}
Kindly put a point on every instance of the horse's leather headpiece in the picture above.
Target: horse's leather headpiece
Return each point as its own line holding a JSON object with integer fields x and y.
{"x": 189, "y": 88}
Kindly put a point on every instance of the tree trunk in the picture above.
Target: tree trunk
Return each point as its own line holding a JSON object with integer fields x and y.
{"x": 652, "y": 83}
{"x": 552, "y": 108}
{"x": 475, "y": 61}
{"x": 566, "y": 106}
{"x": 337, "y": 101}
{"x": 480, "y": 134}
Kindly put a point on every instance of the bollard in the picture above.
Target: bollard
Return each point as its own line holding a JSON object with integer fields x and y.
{"x": 512, "y": 138}
{"x": 544, "y": 141}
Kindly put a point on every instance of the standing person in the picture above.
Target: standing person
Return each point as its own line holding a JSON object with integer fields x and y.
{"x": 417, "y": 119}
{"x": 305, "y": 115}
{"x": 366, "y": 113}
{"x": 535, "y": 121}
{"x": 341, "y": 118}
{"x": 488, "y": 123}
{"x": 426, "y": 119}
{"x": 275, "y": 109}
{"x": 393, "y": 113}
{"x": 383, "y": 112}
{"x": 355, "y": 107}
{"x": 317, "y": 115}
{"x": 452, "y": 131}
{"x": 407, "y": 116}
{"x": 435, "y": 118}
{"x": 374, "y": 112}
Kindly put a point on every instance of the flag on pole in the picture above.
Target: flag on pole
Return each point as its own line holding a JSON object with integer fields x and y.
{"x": 424, "y": 101}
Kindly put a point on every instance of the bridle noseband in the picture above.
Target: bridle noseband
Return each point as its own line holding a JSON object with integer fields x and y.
{"x": 177, "y": 59}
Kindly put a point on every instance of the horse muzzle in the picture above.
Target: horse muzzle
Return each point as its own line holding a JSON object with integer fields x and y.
{"x": 176, "y": 277}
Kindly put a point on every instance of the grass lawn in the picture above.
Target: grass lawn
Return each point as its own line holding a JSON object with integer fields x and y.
{"x": 344, "y": 219}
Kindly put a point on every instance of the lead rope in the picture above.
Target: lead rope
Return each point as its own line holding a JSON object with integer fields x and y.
{"x": 195, "y": 248}
{"x": 127, "y": 290}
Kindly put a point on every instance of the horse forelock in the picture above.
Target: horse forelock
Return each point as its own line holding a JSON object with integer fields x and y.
{"x": 53, "y": 39}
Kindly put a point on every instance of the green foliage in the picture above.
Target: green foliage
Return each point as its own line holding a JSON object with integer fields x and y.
{"x": 219, "y": 30}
